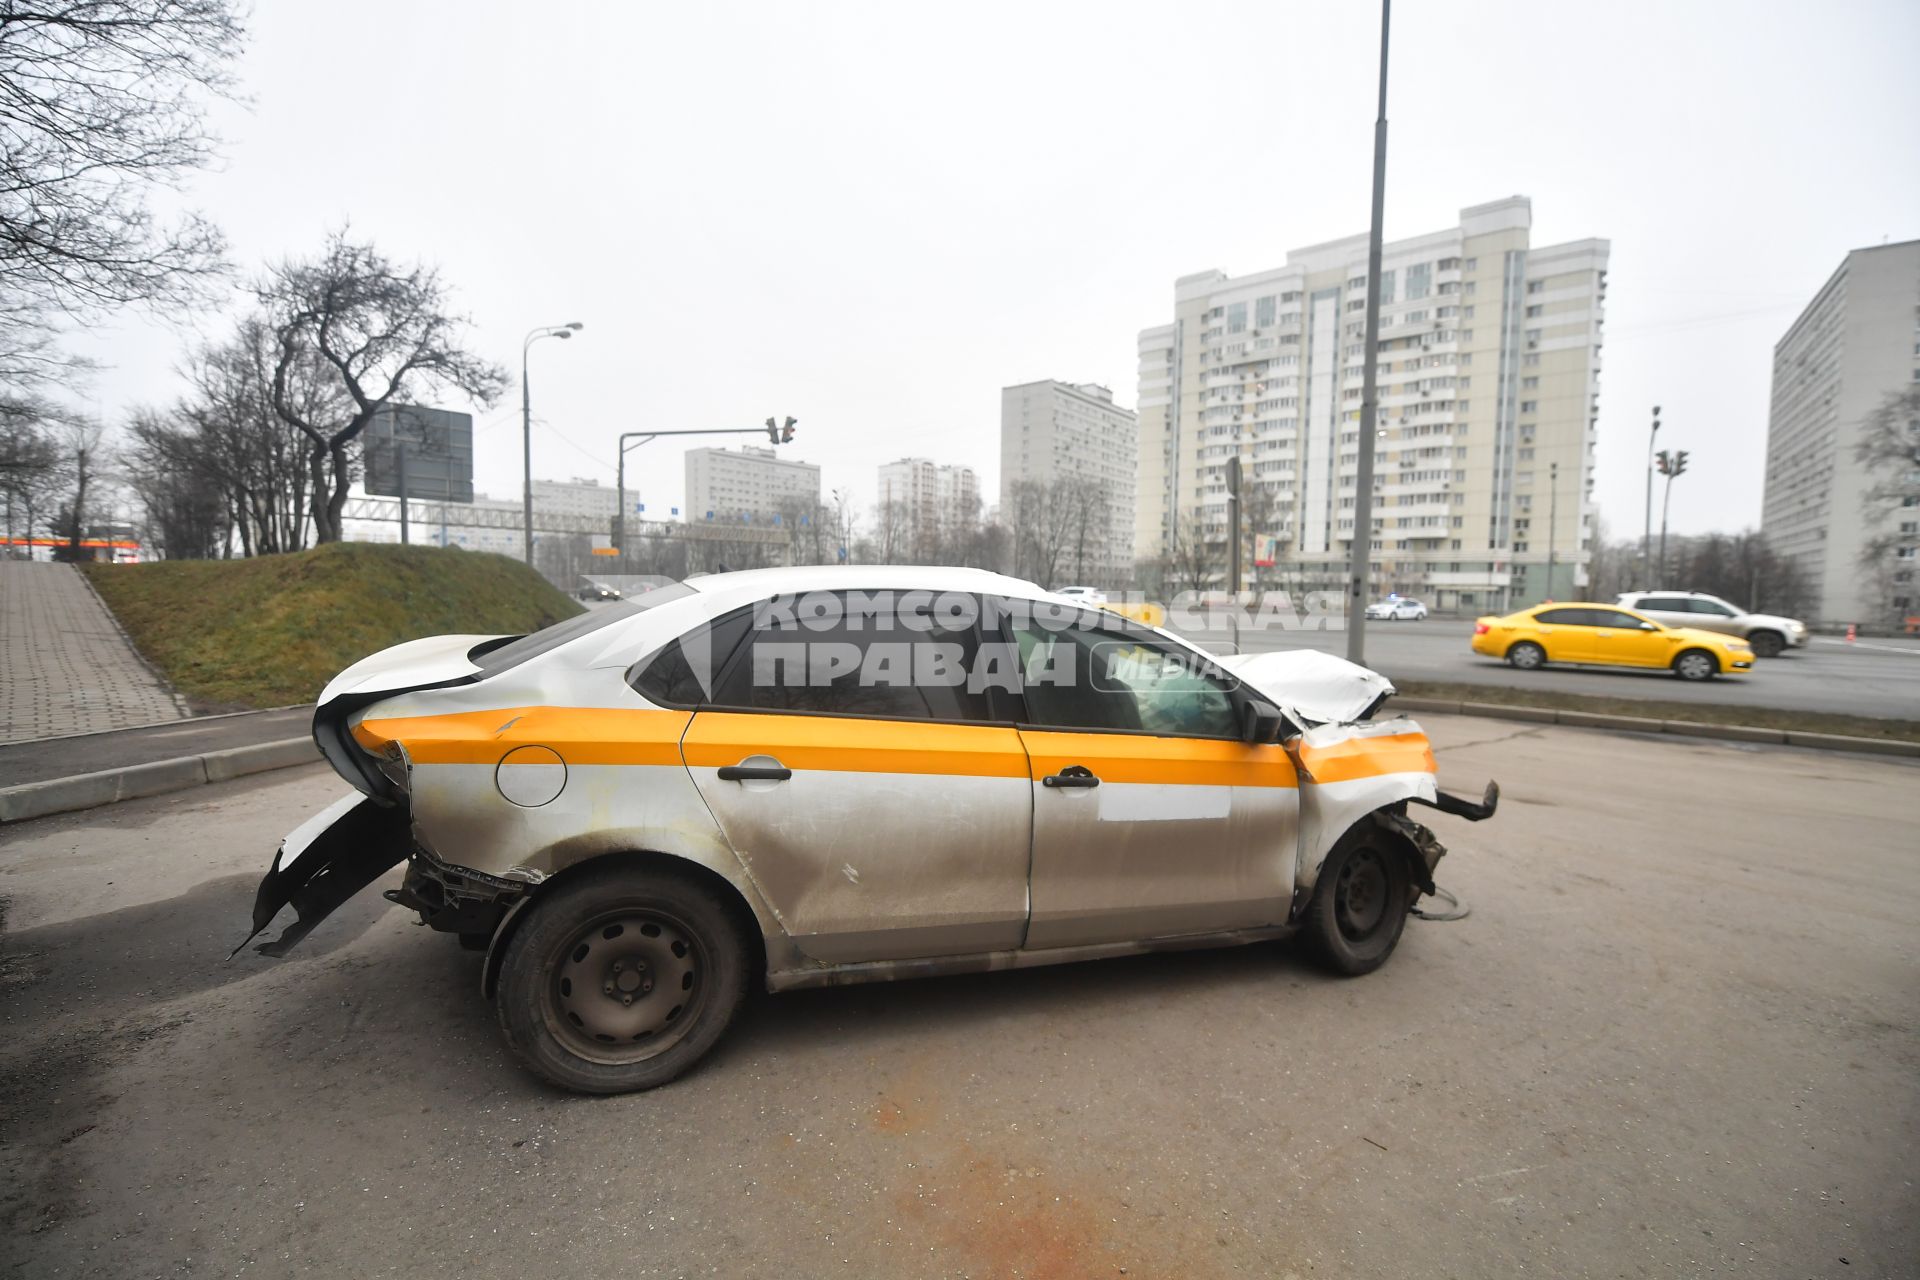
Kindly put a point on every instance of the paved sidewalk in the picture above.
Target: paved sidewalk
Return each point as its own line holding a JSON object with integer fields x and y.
{"x": 65, "y": 667}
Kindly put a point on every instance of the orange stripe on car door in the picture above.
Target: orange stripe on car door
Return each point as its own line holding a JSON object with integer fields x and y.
{"x": 720, "y": 738}
{"x": 1130, "y": 757}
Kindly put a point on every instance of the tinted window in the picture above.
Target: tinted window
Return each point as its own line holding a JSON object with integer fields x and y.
{"x": 514, "y": 652}
{"x": 1712, "y": 608}
{"x": 1614, "y": 618}
{"x": 1106, "y": 678}
{"x": 872, "y": 655}
{"x": 1563, "y": 618}
{"x": 682, "y": 673}
{"x": 1666, "y": 604}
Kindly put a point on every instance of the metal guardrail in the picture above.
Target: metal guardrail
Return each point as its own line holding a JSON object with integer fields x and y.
{"x": 461, "y": 516}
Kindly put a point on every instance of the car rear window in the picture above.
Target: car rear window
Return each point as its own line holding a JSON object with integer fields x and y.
{"x": 494, "y": 657}
{"x": 1564, "y": 618}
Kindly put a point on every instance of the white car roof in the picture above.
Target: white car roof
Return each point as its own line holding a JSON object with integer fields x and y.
{"x": 748, "y": 585}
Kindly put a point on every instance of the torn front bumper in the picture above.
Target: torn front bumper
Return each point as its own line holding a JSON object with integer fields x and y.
{"x": 323, "y": 862}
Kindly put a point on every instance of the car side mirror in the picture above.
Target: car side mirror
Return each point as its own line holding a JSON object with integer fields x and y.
{"x": 1261, "y": 723}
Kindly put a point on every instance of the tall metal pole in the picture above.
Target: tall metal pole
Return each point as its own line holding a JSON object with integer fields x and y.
{"x": 1666, "y": 505}
{"x": 400, "y": 465}
{"x": 1357, "y": 568}
{"x": 1646, "y": 534}
{"x": 1553, "y": 522}
{"x": 526, "y": 450}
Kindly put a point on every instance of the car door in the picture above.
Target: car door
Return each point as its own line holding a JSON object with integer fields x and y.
{"x": 1566, "y": 636}
{"x": 1668, "y": 611}
{"x": 1150, "y": 817}
{"x": 1713, "y": 615}
{"x": 868, "y": 791}
{"x": 1621, "y": 639}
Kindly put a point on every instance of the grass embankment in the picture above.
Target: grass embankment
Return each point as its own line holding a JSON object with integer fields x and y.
{"x": 1657, "y": 709}
{"x": 269, "y": 632}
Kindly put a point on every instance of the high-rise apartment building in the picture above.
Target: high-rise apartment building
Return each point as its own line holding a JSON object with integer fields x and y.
{"x": 1858, "y": 340}
{"x": 1489, "y": 374}
{"x": 930, "y": 502}
{"x": 726, "y": 484}
{"x": 1052, "y": 431}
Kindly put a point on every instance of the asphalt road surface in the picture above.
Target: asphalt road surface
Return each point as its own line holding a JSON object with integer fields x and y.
{"x": 1878, "y": 677}
{"x": 1676, "y": 1036}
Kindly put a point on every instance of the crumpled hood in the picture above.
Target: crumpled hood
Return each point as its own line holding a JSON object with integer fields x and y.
{"x": 430, "y": 660}
{"x": 1317, "y": 685}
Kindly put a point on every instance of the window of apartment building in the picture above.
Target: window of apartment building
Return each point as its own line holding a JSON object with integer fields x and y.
{"x": 1445, "y": 313}
{"x": 1534, "y": 311}
{"x": 1419, "y": 280}
{"x": 1237, "y": 318}
{"x": 1528, "y": 384}
{"x": 1536, "y": 286}
{"x": 1263, "y": 311}
{"x": 1533, "y": 337}
{"x": 1469, "y": 264}
{"x": 1531, "y": 359}
{"x": 1529, "y": 406}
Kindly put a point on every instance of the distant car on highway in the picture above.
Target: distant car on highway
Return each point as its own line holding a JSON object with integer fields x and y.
{"x": 590, "y": 590}
{"x": 1397, "y": 608}
{"x": 1604, "y": 636}
{"x": 1769, "y": 634}
{"x": 814, "y": 776}
{"x": 1085, "y": 595}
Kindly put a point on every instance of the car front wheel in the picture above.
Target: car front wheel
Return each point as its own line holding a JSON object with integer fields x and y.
{"x": 1360, "y": 903}
{"x": 1696, "y": 664}
{"x": 620, "y": 980}
{"x": 1767, "y": 644}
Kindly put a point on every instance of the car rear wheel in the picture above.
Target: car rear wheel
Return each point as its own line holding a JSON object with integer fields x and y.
{"x": 1360, "y": 904}
{"x": 1696, "y": 664}
{"x": 1527, "y": 656}
{"x": 1767, "y": 644}
{"x": 620, "y": 980}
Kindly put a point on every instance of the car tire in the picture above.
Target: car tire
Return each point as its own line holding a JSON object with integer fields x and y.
{"x": 1360, "y": 903}
{"x": 1696, "y": 665}
{"x": 668, "y": 959}
{"x": 1527, "y": 656}
{"x": 1767, "y": 644}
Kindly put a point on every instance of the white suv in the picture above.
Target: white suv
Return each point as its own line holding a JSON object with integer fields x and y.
{"x": 1769, "y": 635}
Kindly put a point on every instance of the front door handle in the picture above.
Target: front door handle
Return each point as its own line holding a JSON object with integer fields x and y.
{"x": 1074, "y": 775}
{"x": 754, "y": 773}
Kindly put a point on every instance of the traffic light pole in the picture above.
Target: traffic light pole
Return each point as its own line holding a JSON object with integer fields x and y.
{"x": 620, "y": 469}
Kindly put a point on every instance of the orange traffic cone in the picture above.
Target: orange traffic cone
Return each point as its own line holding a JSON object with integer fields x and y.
{"x": 1849, "y": 633}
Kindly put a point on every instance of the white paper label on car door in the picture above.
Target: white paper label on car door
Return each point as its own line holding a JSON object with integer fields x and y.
{"x": 1161, "y": 802}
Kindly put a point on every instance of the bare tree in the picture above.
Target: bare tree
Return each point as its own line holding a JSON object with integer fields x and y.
{"x": 383, "y": 332}
{"x": 30, "y": 463}
{"x": 79, "y": 446}
{"x": 100, "y": 102}
{"x": 1195, "y": 553}
{"x": 1888, "y": 446}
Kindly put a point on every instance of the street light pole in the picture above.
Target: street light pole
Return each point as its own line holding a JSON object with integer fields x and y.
{"x": 1646, "y": 534}
{"x": 526, "y": 420}
{"x": 1553, "y": 522}
{"x": 1358, "y": 567}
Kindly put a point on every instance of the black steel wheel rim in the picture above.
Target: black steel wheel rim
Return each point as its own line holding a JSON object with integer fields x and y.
{"x": 1360, "y": 895}
{"x": 626, "y": 985}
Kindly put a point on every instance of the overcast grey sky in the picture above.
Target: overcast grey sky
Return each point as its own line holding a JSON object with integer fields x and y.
{"x": 872, "y": 217}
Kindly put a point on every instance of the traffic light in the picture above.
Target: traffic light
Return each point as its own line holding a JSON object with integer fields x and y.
{"x": 786, "y": 432}
{"x": 773, "y": 432}
{"x": 1662, "y": 462}
{"x": 1679, "y": 463}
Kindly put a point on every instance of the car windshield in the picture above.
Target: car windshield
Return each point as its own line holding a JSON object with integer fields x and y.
{"x": 492, "y": 661}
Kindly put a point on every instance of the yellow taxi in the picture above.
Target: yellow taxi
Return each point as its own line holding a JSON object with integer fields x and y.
{"x": 1604, "y": 635}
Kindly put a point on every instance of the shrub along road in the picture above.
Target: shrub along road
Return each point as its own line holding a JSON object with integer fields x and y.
{"x": 1676, "y": 1035}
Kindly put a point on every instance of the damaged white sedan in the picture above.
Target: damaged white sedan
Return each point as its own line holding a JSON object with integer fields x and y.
{"x": 829, "y": 775}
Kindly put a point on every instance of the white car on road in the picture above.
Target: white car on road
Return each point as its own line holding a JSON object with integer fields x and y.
{"x": 1397, "y": 608}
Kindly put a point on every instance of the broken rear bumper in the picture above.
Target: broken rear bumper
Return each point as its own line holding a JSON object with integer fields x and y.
{"x": 323, "y": 862}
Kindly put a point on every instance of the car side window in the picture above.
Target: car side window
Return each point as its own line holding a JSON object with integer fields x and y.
{"x": 1099, "y": 677}
{"x": 1564, "y": 618}
{"x": 1713, "y": 609}
{"x": 682, "y": 672}
{"x": 1615, "y": 619}
{"x": 860, "y": 654}
{"x": 1666, "y": 604}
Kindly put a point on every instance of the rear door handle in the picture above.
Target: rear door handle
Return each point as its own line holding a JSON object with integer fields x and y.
{"x": 754, "y": 773}
{"x": 1074, "y": 775}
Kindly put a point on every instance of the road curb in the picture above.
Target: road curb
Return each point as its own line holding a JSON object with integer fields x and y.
{"x": 1678, "y": 728}
{"x": 155, "y": 777}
